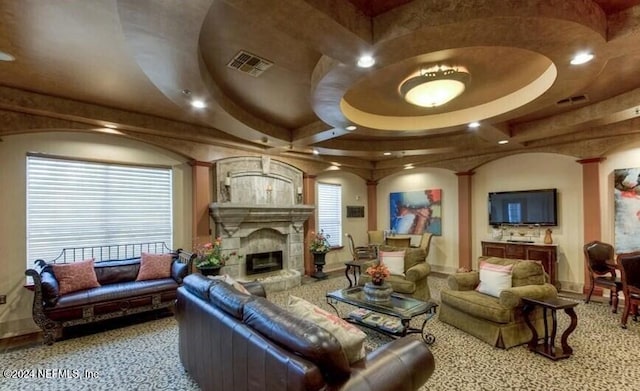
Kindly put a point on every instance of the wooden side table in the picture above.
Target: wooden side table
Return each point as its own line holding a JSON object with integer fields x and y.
{"x": 355, "y": 267}
{"x": 547, "y": 347}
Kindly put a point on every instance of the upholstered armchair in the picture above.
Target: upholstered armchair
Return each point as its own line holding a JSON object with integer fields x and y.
{"x": 409, "y": 277}
{"x": 497, "y": 320}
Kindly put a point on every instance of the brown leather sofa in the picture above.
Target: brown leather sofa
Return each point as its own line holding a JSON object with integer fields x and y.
{"x": 233, "y": 341}
{"x": 119, "y": 294}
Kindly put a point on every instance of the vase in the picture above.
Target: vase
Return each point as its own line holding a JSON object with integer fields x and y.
{"x": 319, "y": 262}
{"x": 377, "y": 293}
{"x": 547, "y": 237}
{"x": 209, "y": 270}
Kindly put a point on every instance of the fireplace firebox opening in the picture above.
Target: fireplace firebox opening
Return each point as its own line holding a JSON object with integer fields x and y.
{"x": 263, "y": 262}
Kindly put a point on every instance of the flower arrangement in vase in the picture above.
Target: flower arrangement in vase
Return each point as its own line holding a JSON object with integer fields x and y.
{"x": 319, "y": 243}
{"x": 319, "y": 246}
{"x": 378, "y": 273}
{"x": 209, "y": 257}
{"x": 377, "y": 290}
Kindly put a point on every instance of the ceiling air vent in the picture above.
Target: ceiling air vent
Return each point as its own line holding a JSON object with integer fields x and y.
{"x": 574, "y": 100}
{"x": 248, "y": 63}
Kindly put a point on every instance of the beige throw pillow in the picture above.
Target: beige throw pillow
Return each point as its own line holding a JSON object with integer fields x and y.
{"x": 394, "y": 261}
{"x": 494, "y": 278}
{"x": 350, "y": 337}
{"x": 235, "y": 284}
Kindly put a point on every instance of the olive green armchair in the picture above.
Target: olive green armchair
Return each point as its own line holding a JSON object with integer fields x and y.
{"x": 498, "y": 321}
{"x": 413, "y": 282}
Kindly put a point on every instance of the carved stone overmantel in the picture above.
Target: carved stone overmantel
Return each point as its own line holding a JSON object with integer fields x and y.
{"x": 230, "y": 217}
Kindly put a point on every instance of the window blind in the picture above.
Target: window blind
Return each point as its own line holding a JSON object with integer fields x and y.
{"x": 330, "y": 212}
{"x": 73, "y": 203}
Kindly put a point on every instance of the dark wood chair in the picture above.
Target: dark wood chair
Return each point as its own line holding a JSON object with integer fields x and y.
{"x": 629, "y": 265}
{"x": 360, "y": 252}
{"x": 600, "y": 259}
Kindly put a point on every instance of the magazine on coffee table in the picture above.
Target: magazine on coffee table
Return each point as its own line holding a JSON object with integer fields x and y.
{"x": 359, "y": 314}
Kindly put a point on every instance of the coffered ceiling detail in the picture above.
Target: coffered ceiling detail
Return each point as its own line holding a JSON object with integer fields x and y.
{"x": 137, "y": 64}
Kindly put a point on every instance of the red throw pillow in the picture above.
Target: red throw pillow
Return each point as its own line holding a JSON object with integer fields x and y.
{"x": 154, "y": 266}
{"x": 75, "y": 276}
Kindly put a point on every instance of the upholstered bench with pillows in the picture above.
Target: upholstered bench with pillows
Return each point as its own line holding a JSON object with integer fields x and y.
{"x": 72, "y": 293}
{"x": 488, "y": 303}
{"x": 229, "y": 340}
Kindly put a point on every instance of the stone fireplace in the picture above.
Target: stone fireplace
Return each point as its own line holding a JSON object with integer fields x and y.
{"x": 260, "y": 212}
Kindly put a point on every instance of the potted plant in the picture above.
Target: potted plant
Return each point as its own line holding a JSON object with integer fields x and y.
{"x": 319, "y": 247}
{"x": 209, "y": 259}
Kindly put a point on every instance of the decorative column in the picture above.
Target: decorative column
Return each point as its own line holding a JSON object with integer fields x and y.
{"x": 309, "y": 198}
{"x": 464, "y": 219}
{"x": 591, "y": 210}
{"x": 201, "y": 189}
{"x": 372, "y": 205}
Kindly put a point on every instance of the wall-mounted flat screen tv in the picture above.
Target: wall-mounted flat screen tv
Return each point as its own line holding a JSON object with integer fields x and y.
{"x": 524, "y": 207}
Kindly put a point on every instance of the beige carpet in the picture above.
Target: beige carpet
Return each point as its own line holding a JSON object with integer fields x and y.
{"x": 145, "y": 356}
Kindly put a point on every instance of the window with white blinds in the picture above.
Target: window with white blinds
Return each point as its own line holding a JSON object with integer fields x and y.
{"x": 72, "y": 203}
{"x": 330, "y": 212}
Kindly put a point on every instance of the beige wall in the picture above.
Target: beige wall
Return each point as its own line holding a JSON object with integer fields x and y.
{"x": 354, "y": 193}
{"x": 15, "y": 316}
{"x": 443, "y": 255}
{"x": 537, "y": 171}
{"x": 518, "y": 172}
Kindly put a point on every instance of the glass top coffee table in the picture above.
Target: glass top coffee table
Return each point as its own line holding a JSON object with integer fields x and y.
{"x": 372, "y": 314}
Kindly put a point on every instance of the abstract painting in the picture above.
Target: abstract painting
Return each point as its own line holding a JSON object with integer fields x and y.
{"x": 416, "y": 212}
{"x": 626, "y": 194}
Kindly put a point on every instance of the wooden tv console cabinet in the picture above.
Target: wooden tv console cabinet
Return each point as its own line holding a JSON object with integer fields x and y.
{"x": 545, "y": 253}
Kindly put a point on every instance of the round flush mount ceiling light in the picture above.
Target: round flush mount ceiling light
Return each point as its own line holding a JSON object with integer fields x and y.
{"x": 4, "y": 56}
{"x": 581, "y": 58}
{"x": 366, "y": 61}
{"x": 435, "y": 86}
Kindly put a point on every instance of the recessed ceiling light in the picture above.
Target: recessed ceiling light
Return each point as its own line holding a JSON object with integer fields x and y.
{"x": 111, "y": 126}
{"x": 198, "y": 104}
{"x": 474, "y": 125}
{"x": 4, "y": 56}
{"x": 502, "y": 142}
{"x": 351, "y": 127}
{"x": 387, "y": 154}
{"x": 366, "y": 61}
{"x": 581, "y": 58}
{"x": 409, "y": 167}
{"x": 315, "y": 151}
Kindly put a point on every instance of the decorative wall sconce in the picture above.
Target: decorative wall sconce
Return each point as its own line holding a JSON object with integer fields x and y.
{"x": 299, "y": 193}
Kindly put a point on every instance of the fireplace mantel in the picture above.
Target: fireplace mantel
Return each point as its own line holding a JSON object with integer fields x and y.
{"x": 232, "y": 215}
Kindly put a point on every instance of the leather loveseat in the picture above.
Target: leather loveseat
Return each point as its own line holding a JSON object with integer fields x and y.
{"x": 233, "y": 341}
{"x": 498, "y": 321}
{"x": 118, "y": 294}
